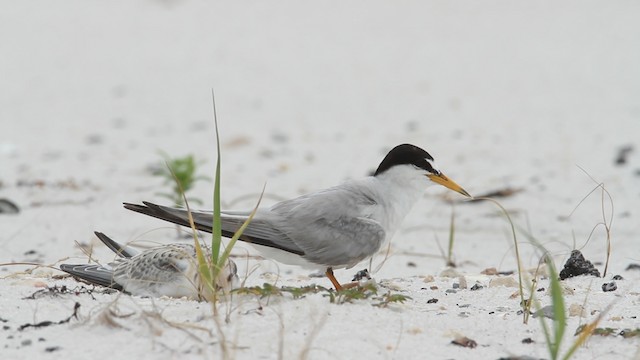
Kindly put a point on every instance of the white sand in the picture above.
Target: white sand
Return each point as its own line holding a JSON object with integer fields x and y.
{"x": 502, "y": 95}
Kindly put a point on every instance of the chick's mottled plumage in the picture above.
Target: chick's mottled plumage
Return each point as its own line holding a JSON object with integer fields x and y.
{"x": 168, "y": 270}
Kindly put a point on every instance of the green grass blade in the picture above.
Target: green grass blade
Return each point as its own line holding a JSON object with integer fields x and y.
{"x": 227, "y": 251}
{"x": 216, "y": 234}
{"x": 559, "y": 315}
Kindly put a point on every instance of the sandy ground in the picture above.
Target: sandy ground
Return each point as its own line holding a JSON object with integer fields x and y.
{"x": 503, "y": 95}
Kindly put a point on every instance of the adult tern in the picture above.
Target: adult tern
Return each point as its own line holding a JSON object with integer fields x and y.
{"x": 333, "y": 228}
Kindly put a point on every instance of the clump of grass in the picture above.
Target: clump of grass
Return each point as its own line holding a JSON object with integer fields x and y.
{"x": 554, "y": 335}
{"x": 210, "y": 268}
{"x": 180, "y": 172}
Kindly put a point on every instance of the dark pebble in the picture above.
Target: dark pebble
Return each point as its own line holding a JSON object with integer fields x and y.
{"x": 633, "y": 267}
{"x": 618, "y": 277}
{"x": 610, "y": 286}
{"x": 432, "y": 301}
{"x": 623, "y": 154}
{"x": 577, "y": 265}
{"x": 8, "y": 207}
{"x": 362, "y": 274}
{"x": 476, "y": 287}
{"x": 527, "y": 341}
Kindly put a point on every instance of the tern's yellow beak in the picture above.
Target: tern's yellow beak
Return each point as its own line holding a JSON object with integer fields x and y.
{"x": 448, "y": 183}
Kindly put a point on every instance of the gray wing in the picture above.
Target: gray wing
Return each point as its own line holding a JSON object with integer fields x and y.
{"x": 333, "y": 227}
{"x": 261, "y": 230}
{"x": 94, "y": 274}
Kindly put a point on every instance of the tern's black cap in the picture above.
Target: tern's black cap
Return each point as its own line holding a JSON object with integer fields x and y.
{"x": 406, "y": 154}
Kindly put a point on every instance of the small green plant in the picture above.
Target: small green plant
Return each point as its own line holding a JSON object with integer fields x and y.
{"x": 348, "y": 295}
{"x": 300, "y": 292}
{"x": 266, "y": 290}
{"x": 390, "y": 298}
{"x": 181, "y": 173}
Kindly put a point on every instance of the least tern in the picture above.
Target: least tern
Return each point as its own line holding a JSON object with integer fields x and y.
{"x": 167, "y": 270}
{"x": 333, "y": 228}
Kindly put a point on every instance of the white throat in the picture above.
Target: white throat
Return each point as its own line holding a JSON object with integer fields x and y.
{"x": 399, "y": 188}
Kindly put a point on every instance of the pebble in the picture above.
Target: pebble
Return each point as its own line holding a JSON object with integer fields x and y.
{"x": 449, "y": 273}
{"x": 610, "y": 286}
{"x": 476, "y": 287}
{"x": 428, "y": 279}
{"x": 577, "y": 265}
{"x": 546, "y": 311}
{"x": 8, "y": 207}
{"x": 462, "y": 281}
{"x": 506, "y": 281}
{"x": 577, "y": 310}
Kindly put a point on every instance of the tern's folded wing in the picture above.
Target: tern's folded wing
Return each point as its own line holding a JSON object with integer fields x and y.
{"x": 334, "y": 227}
{"x": 341, "y": 242}
{"x": 94, "y": 274}
{"x": 260, "y": 231}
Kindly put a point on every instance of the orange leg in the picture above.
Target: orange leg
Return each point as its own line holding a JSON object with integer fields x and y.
{"x": 335, "y": 282}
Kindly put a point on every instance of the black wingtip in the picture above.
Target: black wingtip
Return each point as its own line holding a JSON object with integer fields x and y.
{"x": 134, "y": 207}
{"x": 114, "y": 246}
